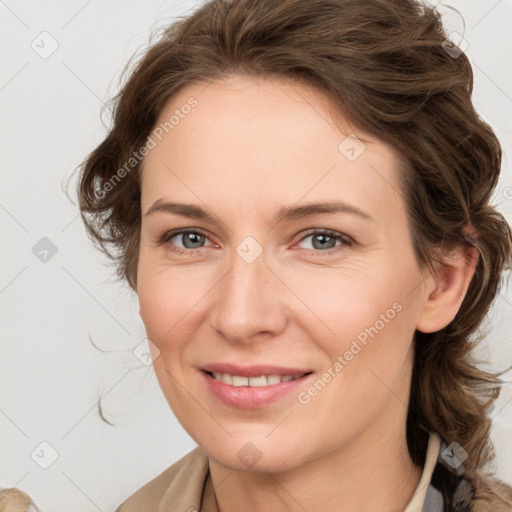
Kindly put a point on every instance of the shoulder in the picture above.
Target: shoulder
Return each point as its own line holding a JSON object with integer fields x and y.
{"x": 184, "y": 480}
{"x": 491, "y": 496}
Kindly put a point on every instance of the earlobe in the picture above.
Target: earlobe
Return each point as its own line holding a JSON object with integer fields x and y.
{"x": 445, "y": 291}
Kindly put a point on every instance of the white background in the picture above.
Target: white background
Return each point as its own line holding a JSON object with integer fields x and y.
{"x": 52, "y": 377}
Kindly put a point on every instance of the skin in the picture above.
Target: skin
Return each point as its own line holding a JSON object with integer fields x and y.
{"x": 250, "y": 147}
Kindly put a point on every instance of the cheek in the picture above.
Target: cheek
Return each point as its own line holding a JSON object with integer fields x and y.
{"x": 167, "y": 298}
{"x": 368, "y": 316}
{"x": 165, "y": 303}
{"x": 157, "y": 307}
{"x": 371, "y": 323}
{"x": 347, "y": 302}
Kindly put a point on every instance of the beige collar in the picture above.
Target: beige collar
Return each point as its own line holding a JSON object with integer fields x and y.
{"x": 418, "y": 498}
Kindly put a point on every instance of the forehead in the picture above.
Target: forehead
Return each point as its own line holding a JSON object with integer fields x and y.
{"x": 264, "y": 141}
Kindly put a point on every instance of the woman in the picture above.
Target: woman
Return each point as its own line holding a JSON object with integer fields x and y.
{"x": 298, "y": 192}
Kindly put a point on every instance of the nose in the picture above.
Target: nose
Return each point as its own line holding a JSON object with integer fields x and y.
{"x": 249, "y": 302}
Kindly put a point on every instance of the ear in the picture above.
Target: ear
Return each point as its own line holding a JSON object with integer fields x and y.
{"x": 445, "y": 289}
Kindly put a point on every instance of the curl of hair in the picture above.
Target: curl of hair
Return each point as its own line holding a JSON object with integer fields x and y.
{"x": 383, "y": 67}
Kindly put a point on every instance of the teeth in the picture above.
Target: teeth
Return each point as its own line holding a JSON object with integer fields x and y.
{"x": 240, "y": 381}
{"x": 258, "y": 381}
{"x": 262, "y": 381}
{"x": 226, "y": 378}
{"x": 273, "y": 379}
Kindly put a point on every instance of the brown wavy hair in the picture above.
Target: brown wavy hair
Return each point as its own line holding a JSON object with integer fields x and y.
{"x": 386, "y": 67}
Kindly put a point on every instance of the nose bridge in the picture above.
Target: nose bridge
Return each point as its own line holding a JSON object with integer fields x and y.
{"x": 247, "y": 302}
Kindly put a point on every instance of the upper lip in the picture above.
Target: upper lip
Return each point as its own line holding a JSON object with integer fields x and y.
{"x": 252, "y": 371}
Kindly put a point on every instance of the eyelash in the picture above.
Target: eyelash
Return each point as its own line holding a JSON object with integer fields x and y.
{"x": 346, "y": 240}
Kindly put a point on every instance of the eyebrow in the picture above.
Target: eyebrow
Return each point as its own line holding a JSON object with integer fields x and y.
{"x": 286, "y": 213}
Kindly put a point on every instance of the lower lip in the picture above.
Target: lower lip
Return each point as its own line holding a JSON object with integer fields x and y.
{"x": 251, "y": 397}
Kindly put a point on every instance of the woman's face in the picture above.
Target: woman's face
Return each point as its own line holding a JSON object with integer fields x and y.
{"x": 239, "y": 294}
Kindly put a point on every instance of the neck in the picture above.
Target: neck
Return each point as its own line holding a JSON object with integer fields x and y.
{"x": 378, "y": 476}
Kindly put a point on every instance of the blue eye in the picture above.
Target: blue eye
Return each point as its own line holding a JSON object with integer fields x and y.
{"x": 190, "y": 238}
{"x": 324, "y": 241}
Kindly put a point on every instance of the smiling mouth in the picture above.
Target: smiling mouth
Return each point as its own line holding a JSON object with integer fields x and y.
{"x": 261, "y": 381}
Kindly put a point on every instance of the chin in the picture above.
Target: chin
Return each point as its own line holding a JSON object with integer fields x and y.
{"x": 258, "y": 455}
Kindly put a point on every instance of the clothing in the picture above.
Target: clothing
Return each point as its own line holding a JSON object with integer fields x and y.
{"x": 442, "y": 487}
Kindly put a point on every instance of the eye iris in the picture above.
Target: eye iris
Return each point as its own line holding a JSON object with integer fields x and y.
{"x": 192, "y": 238}
{"x": 324, "y": 238}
